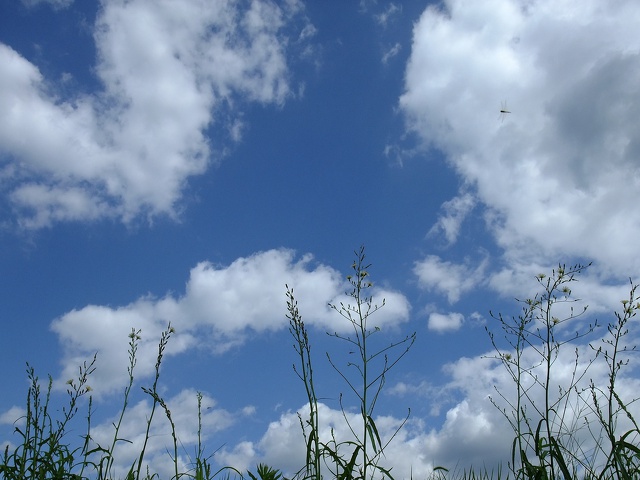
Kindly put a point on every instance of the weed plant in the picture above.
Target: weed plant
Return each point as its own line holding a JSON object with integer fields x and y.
{"x": 549, "y": 419}
{"x": 365, "y": 448}
{"x": 42, "y": 452}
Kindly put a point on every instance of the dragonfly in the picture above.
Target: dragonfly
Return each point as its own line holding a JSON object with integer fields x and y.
{"x": 503, "y": 111}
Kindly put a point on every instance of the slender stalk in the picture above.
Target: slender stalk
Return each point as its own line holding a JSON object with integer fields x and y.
{"x": 164, "y": 339}
{"x": 368, "y": 387}
{"x": 305, "y": 373}
{"x": 134, "y": 338}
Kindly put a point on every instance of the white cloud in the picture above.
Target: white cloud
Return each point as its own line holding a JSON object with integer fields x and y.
{"x": 53, "y": 3}
{"x": 455, "y": 212}
{"x": 364, "y": 4}
{"x": 447, "y": 278}
{"x": 13, "y": 415}
{"x": 389, "y": 13}
{"x": 559, "y": 176}
{"x": 307, "y": 32}
{"x": 168, "y": 74}
{"x": 445, "y": 322}
{"x": 439, "y": 396}
{"x": 391, "y": 52}
{"x": 220, "y": 307}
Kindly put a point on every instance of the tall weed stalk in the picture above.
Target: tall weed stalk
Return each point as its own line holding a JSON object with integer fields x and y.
{"x": 312, "y": 468}
{"x": 622, "y": 455}
{"x": 545, "y": 415}
{"x": 156, "y": 400}
{"x": 371, "y": 365}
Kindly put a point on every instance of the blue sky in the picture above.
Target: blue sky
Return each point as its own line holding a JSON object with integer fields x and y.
{"x": 183, "y": 163}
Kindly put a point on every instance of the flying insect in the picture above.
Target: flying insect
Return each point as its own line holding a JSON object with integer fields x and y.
{"x": 503, "y": 111}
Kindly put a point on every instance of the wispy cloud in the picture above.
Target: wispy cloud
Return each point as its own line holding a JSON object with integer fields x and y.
{"x": 455, "y": 212}
{"x": 53, "y": 3}
{"x": 388, "y": 14}
{"x": 390, "y": 53}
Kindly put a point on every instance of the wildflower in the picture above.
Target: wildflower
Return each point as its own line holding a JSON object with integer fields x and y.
{"x": 70, "y": 381}
{"x": 541, "y": 276}
{"x": 88, "y": 388}
{"x": 172, "y": 330}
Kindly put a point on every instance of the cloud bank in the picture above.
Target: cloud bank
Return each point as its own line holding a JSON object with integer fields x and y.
{"x": 221, "y": 307}
{"x": 560, "y": 175}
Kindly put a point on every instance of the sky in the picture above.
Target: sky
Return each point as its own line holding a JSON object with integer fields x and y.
{"x": 183, "y": 161}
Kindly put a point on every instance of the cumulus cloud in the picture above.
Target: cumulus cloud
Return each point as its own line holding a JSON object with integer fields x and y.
{"x": 128, "y": 150}
{"x": 221, "y": 306}
{"x": 559, "y": 175}
{"x": 447, "y": 278}
{"x": 445, "y": 322}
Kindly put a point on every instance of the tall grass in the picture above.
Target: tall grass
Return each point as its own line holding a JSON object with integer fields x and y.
{"x": 576, "y": 430}
{"x": 42, "y": 452}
